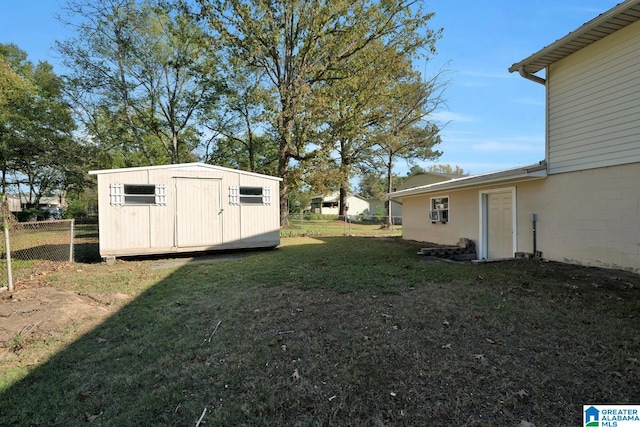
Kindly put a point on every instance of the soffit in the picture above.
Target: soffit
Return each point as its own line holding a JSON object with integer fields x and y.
{"x": 623, "y": 14}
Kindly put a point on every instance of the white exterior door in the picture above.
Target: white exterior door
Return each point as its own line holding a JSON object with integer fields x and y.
{"x": 500, "y": 225}
{"x": 198, "y": 212}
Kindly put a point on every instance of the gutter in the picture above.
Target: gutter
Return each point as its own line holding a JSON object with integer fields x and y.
{"x": 531, "y": 77}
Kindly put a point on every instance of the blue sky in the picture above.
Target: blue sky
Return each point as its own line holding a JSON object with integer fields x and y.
{"x": 495, "y": 120}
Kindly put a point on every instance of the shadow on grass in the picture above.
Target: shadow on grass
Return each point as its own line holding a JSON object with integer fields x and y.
{"x": 48, "y": 252}
{"x": 348, "y": 331}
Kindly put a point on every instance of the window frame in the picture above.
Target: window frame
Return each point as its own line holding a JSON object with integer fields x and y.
{"x": 241, "y": 195}
{"x": 131, "y": 194}
{"x": 440, "y": 214}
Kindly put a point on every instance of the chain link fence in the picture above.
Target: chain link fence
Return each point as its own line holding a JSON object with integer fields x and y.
{"x": 31, "y": 248}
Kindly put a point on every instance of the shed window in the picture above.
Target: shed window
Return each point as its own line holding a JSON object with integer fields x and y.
{"x": 138, "y": 194}
{"x": 249, "y": 195}
{"x": 439, "y": 209}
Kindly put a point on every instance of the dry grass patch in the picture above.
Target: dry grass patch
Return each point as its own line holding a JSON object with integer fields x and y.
{"x": 342, "y": 331}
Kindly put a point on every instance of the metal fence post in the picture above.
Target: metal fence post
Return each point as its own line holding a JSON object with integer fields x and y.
{"x": 6, "y": 245}
{"x": 71, "y": 241}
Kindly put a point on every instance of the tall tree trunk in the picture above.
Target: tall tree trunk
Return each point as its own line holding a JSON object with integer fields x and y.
{"x": 284, "y": 155}
{"x": 343, "y": 207}
{"x": 283, "y": 172}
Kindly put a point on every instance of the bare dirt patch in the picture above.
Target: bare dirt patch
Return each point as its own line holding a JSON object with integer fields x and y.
{"x": 42, "y": 312}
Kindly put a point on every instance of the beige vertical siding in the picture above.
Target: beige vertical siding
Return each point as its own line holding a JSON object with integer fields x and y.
{"x": 594, "y": 105}
{"x": 128, "y": 225}
{"x": 137, "y": 230}
{"x": 260, "y": 223}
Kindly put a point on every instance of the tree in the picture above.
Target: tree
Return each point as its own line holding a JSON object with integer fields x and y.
{"x": 145, "y": 76}
{"x": 447, "y": 169}
{"x": 407, "y": 132}
{"x": 300, "y": 44}
{"x": 15, "y": 92}
{"x": 254, "y": 153}
{"x": 38, "y": 149}
{"x": 238, "y": 136}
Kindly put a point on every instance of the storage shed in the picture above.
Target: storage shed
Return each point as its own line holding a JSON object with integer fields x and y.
{"x": 185, "y": 208}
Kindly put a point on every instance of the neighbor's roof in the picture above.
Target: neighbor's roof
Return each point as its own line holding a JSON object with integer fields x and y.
{"x": 598, "y": 28}
{"x": 521, "y": 173}
{"x": 185, "y": 166}
{"x": 334, "y": 197}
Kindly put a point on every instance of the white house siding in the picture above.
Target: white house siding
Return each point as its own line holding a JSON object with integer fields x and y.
{"x": 594, "y": 104}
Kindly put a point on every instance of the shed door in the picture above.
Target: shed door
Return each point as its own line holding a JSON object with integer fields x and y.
{"x": 500, "y": 226}
{"x": 198, "y": 212}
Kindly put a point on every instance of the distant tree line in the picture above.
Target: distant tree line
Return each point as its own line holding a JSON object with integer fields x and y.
{"x": 314, "y": 91}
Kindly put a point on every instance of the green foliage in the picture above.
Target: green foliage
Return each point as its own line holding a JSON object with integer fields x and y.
{"x": 297, "y": 49}
{"x": 255, "y": 153}
{"x": 39, "y": 153}
{"x": 447, "y": 169}
{"x": 144, "y": 76}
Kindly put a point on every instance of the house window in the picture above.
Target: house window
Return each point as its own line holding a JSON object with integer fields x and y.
{"x": 439, "y": 209}
{"x": 249, "y": 195}
{"x": 137, "y": 194}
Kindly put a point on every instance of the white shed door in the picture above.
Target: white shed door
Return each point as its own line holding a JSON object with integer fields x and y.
{"x": 500, "y": 226}
{"x": 198, "y": 212}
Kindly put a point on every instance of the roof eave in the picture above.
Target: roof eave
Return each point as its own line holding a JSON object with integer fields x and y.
{"x": 598, "y": 28}
{"x": 537, "y": 171}
{"x": 181, "y": 166}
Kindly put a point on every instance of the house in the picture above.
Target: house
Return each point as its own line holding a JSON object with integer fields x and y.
{"x": 44, "y": 202}
{"x": 12, "y": 202}
{"x": 330, "y": 204}
{"x": 185, "y": 208}
{"x": 420, "y": 178}
{"x": 581, "y": 204}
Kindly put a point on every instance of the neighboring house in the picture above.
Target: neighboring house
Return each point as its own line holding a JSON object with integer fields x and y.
{"x": 329, "y": 204}
{"x": 45, "y": 201}
{"x": 582, "y": 203}
{"x": 418, "y": 179}
{"x": 13, "y": 203}
{"x": 185, "y": 208}
{"x": 51, "y": 206}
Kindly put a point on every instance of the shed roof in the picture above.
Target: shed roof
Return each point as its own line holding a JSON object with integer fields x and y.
{"x": 183, "y": 166}
{"x": 521, "y": 173}
{"x": 598, "y": 28}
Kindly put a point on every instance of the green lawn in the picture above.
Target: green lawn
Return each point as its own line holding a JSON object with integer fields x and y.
{"x": 332, "y": 330}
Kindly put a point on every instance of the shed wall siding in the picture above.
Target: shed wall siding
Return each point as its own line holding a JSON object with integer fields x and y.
{"x": 261, "y": 222}
{"x": 593, "y": 105}
{"x": 138, "y": 230}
